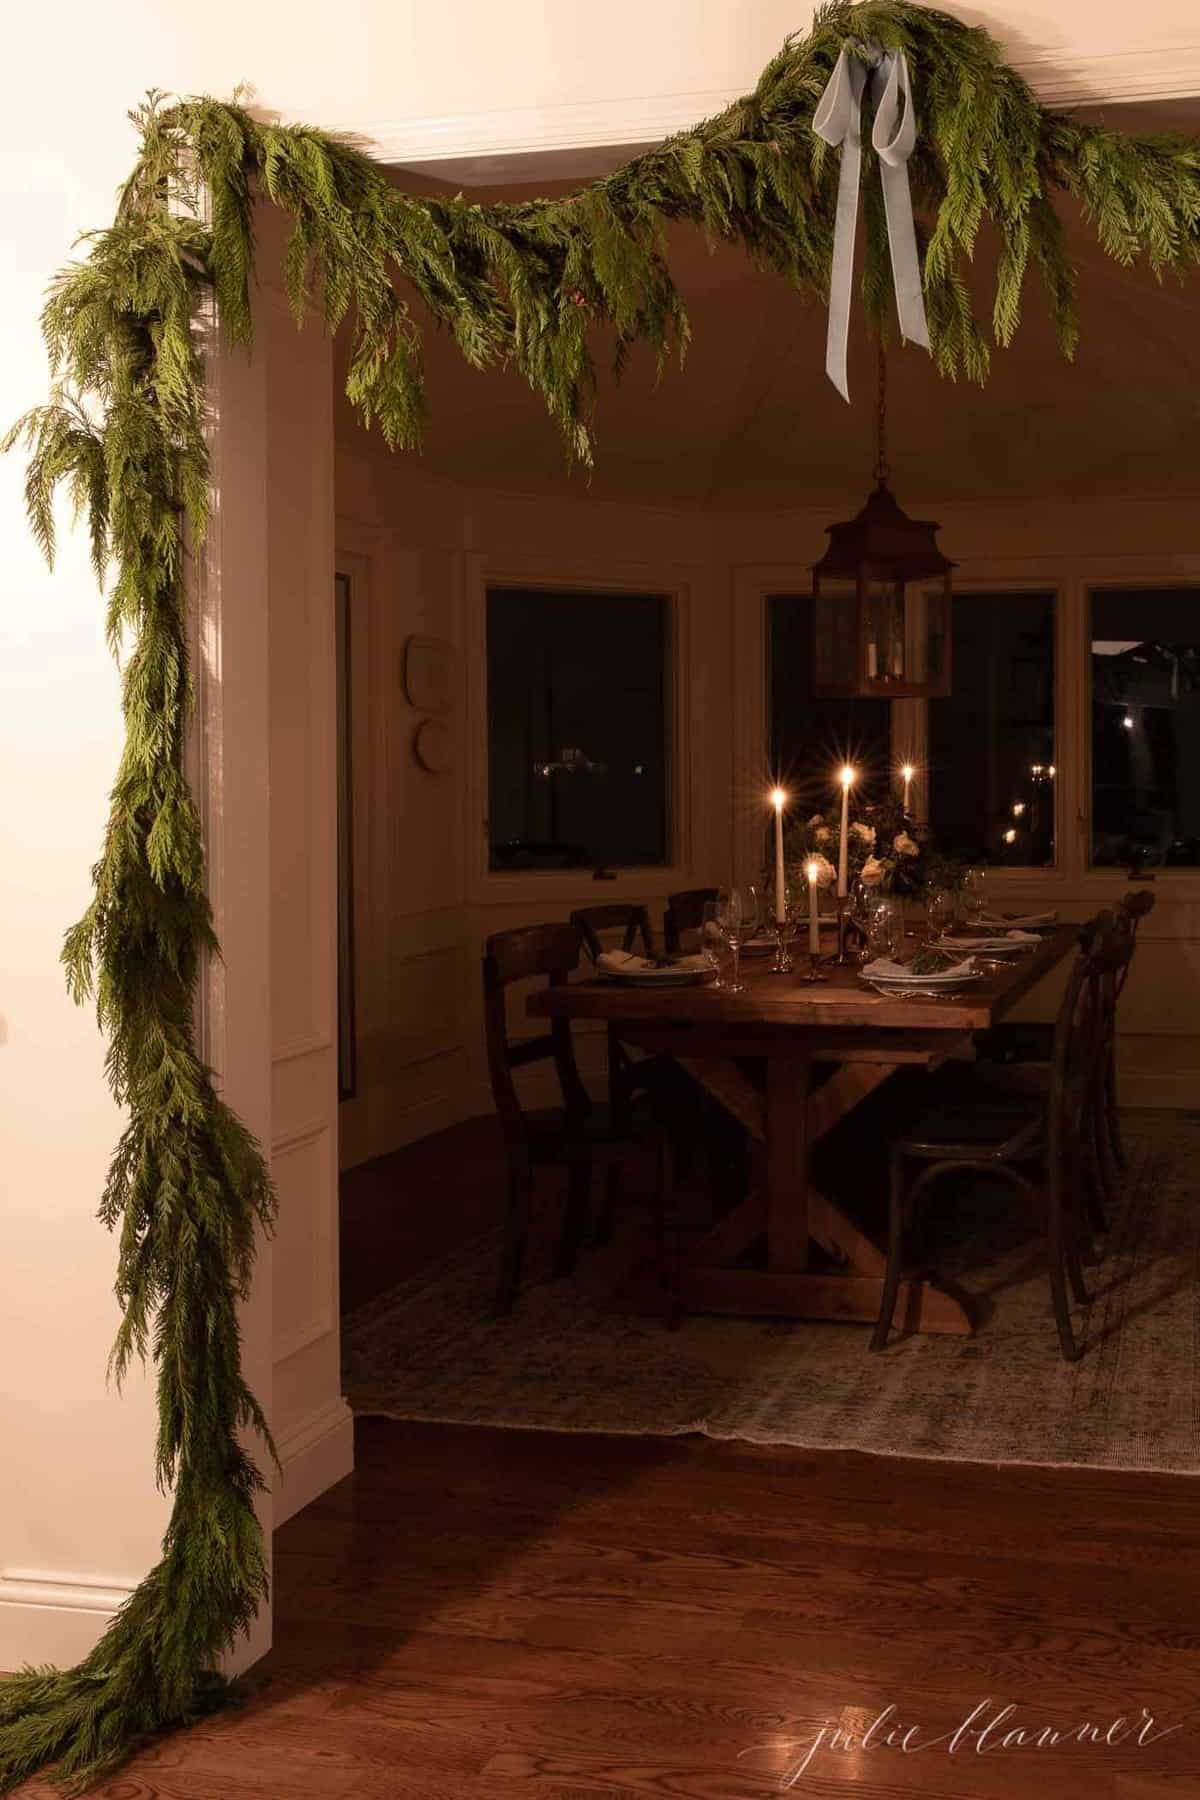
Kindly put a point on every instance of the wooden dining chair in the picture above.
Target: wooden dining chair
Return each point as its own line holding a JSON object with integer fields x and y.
{"x": 694, "y": 1117}
{"x": 1049, "y": 1136}
{"x": 685, "y": 912}
{"x": 578, "y": 1136}
{"x": 1130, "y": 913}
{"x": 1026, "y": 1043}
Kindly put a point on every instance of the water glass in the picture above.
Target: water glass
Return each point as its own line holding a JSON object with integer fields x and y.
{"x": 974, "y": 894}
{"x": 885, "y": 927}
{"x": 731, "y": 918}
{"x": 940, "y": 910}
{"x": 713, "y": 945}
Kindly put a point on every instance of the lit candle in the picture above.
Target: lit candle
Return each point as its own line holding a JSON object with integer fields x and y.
{"x": 906, "y": 774}
{"x": 843, "y": 877}
{"x": 777, "y": 800}
{"x": 813, "y": 871}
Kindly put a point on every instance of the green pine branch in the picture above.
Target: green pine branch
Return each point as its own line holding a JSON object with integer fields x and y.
{"x": 532, "y": 286}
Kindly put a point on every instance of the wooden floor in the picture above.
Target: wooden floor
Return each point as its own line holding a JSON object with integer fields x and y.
{"x": 487, "y": 1615}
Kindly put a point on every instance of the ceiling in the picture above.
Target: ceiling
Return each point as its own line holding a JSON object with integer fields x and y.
{"x": 751, "y": 423}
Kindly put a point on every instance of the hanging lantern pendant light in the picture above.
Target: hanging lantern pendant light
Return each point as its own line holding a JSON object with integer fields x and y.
{"x": 882, "y": 629}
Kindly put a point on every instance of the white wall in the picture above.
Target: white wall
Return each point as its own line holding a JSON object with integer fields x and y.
{"x": 64, "y": 146}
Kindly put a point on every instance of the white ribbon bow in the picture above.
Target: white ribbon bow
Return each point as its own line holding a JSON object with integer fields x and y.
{"x": 838, "y": 119}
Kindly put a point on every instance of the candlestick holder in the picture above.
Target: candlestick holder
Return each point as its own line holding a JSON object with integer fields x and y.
{"x": 813, "y": 972}
{"x": 843, "y": 921}
{"x": 783, "y": 964}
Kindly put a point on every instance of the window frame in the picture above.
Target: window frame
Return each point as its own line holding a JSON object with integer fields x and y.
{"x": 1169, "y": 880}
{"x": 1071, "y": 578}
{"x": 488, "y": 886}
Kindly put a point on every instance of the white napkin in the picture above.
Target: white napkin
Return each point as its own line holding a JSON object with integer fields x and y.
{"x": 1014, "y": 924}
{"x": 884, "y": 969}
{"x": 623, "y": 962}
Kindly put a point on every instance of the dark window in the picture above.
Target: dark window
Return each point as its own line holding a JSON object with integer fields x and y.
{"x": 991, "y": 742}
{"x": 577, "y": 729}
{"x": 811, "y": 739}
{"x": 1146, "y": 727}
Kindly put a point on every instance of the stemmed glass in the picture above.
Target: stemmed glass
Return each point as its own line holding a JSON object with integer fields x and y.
{"x": 974, "y": 894}
{"x": 731, "y": 921}
{"x": 787, "y": 923}
{"x": 712, "y": 939}
{"x": 940, "y": 909}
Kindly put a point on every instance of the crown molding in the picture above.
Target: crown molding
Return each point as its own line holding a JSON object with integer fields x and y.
{"x": 578, "y": 138}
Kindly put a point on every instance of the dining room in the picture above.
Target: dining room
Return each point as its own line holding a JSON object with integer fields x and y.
{"x": 735, "y": 699}
{"x": 768, "y": 938}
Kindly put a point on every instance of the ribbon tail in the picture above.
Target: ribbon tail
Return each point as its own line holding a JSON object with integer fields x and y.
{"x": 894, "y": 137}
{"x": 837, "y": 120}
{"x": 906, "y": 267}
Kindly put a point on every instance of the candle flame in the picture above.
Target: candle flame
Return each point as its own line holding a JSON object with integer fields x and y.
{"x": 813, "y": 872}
{"x": 847, "y": 776}
{"x": 778, "y": 799}
{"x": 907, "y": 772}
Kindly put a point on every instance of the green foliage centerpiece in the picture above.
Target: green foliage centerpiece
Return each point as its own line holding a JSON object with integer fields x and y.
{"x": 529, "y": 285}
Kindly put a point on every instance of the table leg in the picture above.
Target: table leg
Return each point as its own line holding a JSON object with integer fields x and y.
{"x": 788, "y": 1081}
{"x": 791, "y": 1213}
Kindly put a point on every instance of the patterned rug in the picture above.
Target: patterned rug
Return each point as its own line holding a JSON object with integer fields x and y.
{"x": 570, "y": 1359}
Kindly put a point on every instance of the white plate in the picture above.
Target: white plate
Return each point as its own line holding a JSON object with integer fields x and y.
{"x": 658, "y": 977}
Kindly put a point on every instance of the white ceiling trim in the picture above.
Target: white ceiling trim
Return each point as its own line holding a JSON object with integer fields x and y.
{"x": 466, "y": 143}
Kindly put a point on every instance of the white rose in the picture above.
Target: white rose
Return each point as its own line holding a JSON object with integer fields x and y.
{"x": 817, "y": 819}
{"x": 905, "y": 845}
{"x": 822, "y": 834}
{"x": 825, "y": 870}
{"x": 872, "y": 872}
{"x": 865, "y": 832}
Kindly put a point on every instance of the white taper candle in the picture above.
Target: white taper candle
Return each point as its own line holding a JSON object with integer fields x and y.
{"x": 777, "y": 800}
{"x": 813, "y": 871}
{"x": 843, "y": 875}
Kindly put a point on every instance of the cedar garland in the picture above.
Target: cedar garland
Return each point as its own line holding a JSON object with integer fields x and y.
{"x": 523, "y": 285}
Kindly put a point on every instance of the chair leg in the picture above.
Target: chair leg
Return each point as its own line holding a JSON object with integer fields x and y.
{"x": 1112, "y": 1117}
{"x": 1058, "y": 1254}
{"x": 579, "y": 1187}
{"x": 1107, "y": 1186}
{"x": 668, "y": 1233}
{"x": 516, "y": 1226}
{"x": 891, "y": 1279}
{"x": 607, "y": 1218}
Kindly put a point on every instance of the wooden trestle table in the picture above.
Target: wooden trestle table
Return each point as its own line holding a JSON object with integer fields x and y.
{"x": 793, "y": 1026}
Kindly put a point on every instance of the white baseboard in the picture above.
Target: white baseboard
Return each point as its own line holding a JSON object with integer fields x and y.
{"x": 49, "y": 1616}
{"x": 315, "y": 1454}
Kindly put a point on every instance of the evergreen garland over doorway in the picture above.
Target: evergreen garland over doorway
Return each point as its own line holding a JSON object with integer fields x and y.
{"x": 534, "y": 286}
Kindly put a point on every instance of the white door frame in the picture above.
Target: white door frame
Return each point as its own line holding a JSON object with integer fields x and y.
{"x": 230, "y": 745}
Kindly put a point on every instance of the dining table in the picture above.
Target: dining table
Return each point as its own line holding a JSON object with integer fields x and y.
{"x": 820, "y": 1049}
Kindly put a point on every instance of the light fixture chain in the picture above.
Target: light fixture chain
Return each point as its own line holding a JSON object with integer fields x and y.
{"x": 882, "y": 466}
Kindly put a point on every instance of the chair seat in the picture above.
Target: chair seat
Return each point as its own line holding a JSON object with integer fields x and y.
{"x": 972, "y": 1132}
{"x": 593, "y": 1138}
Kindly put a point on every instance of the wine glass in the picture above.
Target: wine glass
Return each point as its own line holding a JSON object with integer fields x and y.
{"x": 940, "y": 910}
{"x": 731, "y": 913}
{"x": 974, "y": 894}
{"x": 788, "y": 920}
{"x": 712, "y": 939}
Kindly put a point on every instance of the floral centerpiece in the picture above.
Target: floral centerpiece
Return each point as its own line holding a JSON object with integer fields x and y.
{"x": 887, "y": 851}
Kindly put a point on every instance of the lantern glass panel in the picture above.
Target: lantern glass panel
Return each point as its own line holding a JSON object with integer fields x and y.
{"x": 836, "y": 647}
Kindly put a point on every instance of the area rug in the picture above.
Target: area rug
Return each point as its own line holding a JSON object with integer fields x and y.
{"x": 569, "y": 1360}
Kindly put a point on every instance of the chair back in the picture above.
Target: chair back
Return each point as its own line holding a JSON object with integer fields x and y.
{"x": 1130, "y": 913}
{"x": 550, "y": 952}
{"x": 1082, "y": 1030}
{"x": 685, "y": 912}
{"x": 633, "y": 922}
